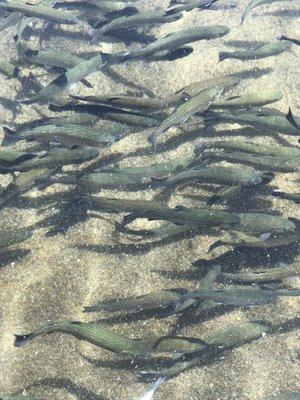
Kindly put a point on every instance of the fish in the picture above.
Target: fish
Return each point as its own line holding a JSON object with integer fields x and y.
{"x": 251, "y": 147}
{"x": 170, "y": 55}
{"x": 292, "y": 40}
{"x": 213, "y": 173}
{"x": 13, "y": 157}
{"x": 70, "y": 135}
{"x": 140, "y": 19}
{"x": 54, "y": 158}
{"x": 150, "y": 393}
{"x": 259, "y": 275}
{"x": 257, "y": 53}
{"x": 16, "y": 397}
{"x": 251, "y": 5}
{"x": 196, "y": 104}
{"x": 201, "y": 4}
{"x": 261, "y": 121}
{"x": 40, "y": 11}
{"x": 256, "y": 223}
{"x": 171, "y": 42}
{"x": 227, "y": 193}
{"x": 288, "y": 196}
{"x": 9, "y": 69}
{"x": 9, "y": 237}
{"x": 67, "y": 80}
{"x": 91, "y": 333}
{"x": 249, "y": 100}
{"x": 261, "y": 162}
{"x": 131, "y": 118}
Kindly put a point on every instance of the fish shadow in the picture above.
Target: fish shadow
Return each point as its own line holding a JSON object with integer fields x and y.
{"x": 244, "y": 44}
{"x": 80, "y": 392}
{"x": 252, "y": 73}
{"x": 10, "y": 256}
{"x": 282, "y": 13}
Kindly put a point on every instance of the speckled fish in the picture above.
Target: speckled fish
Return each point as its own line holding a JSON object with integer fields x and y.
{"x": 288, "y": 196}
{"x": 21, "y": 184}
{"x": 131, "y": 102}
{"x": 166, "y": 55}
{"x": 191, "y": 90}
{"x": 266, "y": 50}
{"x": 14, "y": 157}
{"x": 188, "y": 216}
{"x": 49, "y": 57}
{"x": 40, "y": 11}
{"x": 265, "y": 240}
{"x": 140, "y": 19}
{"x": 108, "y": 6}
{"x": 245, "y": 176}
{"x": 173, "y": 41}
{"x": 260, "y": 120}
{"x": 9, "y": 69}
{"x": 254, "y": 223}
{"x": 67, "y": 80}
{"x": 54, "y": 158}
{"x": 151, "y": 301}
{"x": 226, "y": 194}
{"x": 292, "y": 40}
{"x": 91, "y": 333}
{"x": 190, "y": 6}
{"x": 110, "y": 113}
{"x": 260, "y": 275}
{"x": 252, "y": 147}
{"x": 252, "y": 4}
{"x": 9, "y": 237}
{"x": 261, "y": 162}
{"x": 150, "y": 393}
{"x": 249, "y": 100}
{"x": 70, "y": 135}
{"x": 196, "y": 104}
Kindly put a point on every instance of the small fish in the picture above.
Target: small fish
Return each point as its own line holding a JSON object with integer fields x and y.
{"x": 67, "y": 80}
{"x": 13, "y": 157}
{"x": 256, "y": 99}
{"x": 134, "y": 21}
{"x": 292, "y": 40}
{"x": 261, "y": 121}
{"x": 260, "y": 275}
{"x": 9, "y": 69}
{"x": 196, "y": 104}
{"x": 266, "y": 50}
{"x": 201, "y": 4}
{"x": 166, "y": 55}
{"x": 40, "y": 11}
{"x": 54, "y": 158}
{"x": 71, "y": 135}
{"x": 91, "y": 333}
{"x": 251, "y": 5}
{"x": 172, "y": 42}
{"x": 262, "y": 162}
{"x": 254, "y": 223}
{"x": 150, "y": 393}
{"x": 252, "y": 147}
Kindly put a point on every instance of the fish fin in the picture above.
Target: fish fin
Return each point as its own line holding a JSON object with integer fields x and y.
{"x": 291, "y": 118}
{"x": 222, "y": 56}
{"x": 22, "y": 340}
{"x": 86, "y": 83}
{"x": 9, "y": 136}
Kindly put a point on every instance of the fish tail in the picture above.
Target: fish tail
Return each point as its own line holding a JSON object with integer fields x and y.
{"x": 22, "y": 340}
{"x": 10, "y": 136}
{"x": 223, "y": 55}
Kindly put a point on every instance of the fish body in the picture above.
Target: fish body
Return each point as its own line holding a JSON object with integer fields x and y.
{"x": 288, "y": 196}
{"x": 91, "y": 333}
{"x": 249, "y": 100}
{"x": 253, "y": 223}
{"x": 188, "y": 6}
{"x": 251, "y": 5}
{"x": 13, "y": 157}
{"x": 54, "y": 158}
{"x": 266, "y": 50}
{"x": 292, "y": 40}
{"x": 260, "y": 120}
{"x": 40, "y": 11}
{"x": 196, "y": 104}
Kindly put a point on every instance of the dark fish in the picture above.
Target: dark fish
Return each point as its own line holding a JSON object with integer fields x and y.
{"x": 172, "y": 55}
{"x": 40, "y": 11}
{"x": 266, "y": 50}
{"x": 262, "y": 162}
{"x": 13, "y": 157}
{"x": 259, "y": 275}
{"x": 71, "y": 135}
{"x": 201, "y": 4}
{"x": 295, "y": 41}
{"x": 288, "y": 196}
{"x": 91, "y": 333}
{"x": 259, "y": 120}
{"x": 54, "y": 158}
{"x": 249, "y": 100}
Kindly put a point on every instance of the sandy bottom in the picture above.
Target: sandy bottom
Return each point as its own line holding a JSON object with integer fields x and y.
{"x": 63, "y": 273}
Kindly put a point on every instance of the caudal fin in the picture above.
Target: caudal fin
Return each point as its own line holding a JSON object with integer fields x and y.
{"x": 22, "y": 340}
{"x": 223, "y": 55}
{"x": 10, "y": 136}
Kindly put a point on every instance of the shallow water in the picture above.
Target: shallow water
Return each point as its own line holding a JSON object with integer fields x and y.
{"x": 52, "y": 277}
